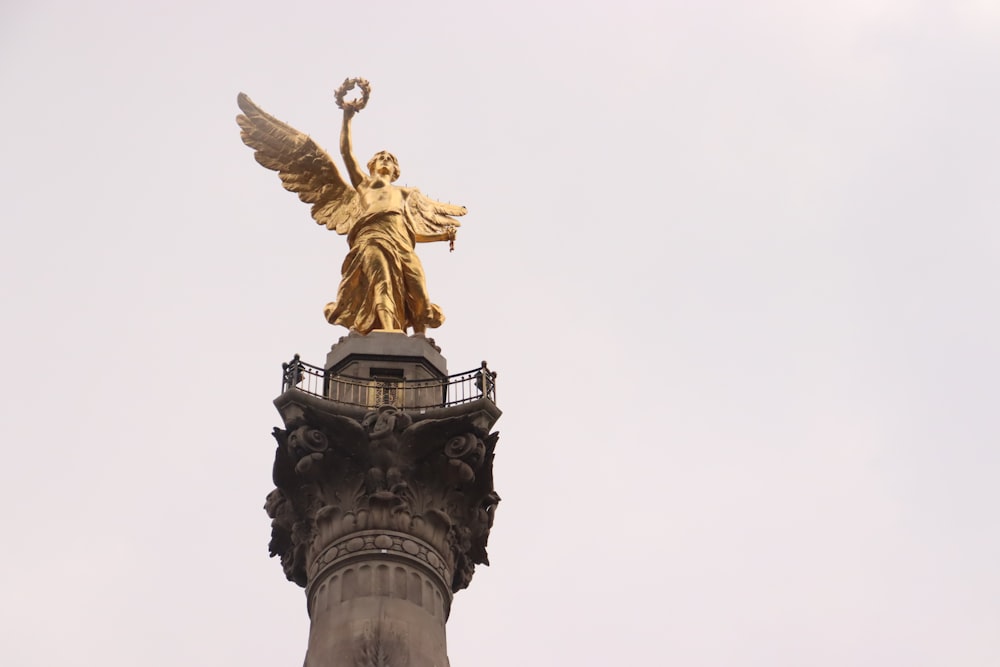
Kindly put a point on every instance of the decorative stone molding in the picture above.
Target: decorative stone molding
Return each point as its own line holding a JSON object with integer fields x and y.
{"x": 373, "y": 576}
{"x": 371, "y": 544}
{"x": 419, "y": 484}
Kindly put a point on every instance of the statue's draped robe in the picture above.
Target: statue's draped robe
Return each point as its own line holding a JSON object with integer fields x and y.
{"x": 382, "y": 274}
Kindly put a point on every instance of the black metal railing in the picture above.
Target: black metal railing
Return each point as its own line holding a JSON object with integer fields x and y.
{"x": 404, "y": 394}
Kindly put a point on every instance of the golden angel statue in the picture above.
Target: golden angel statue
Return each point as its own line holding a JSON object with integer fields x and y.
{"x": 382, "y": 284}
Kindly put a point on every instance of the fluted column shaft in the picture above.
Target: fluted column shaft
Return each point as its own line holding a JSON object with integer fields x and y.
{"x": 378, "y": 596}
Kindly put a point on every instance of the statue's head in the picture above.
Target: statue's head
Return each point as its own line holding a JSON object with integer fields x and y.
{"x": 384, "y": 158}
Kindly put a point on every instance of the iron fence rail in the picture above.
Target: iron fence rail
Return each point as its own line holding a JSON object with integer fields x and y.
{"x": 398, "y": 392}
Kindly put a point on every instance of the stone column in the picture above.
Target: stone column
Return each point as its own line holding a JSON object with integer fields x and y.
{"x": 381, "y": 515}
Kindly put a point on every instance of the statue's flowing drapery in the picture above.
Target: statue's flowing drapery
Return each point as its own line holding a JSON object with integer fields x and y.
{"x": 382, "y": 279}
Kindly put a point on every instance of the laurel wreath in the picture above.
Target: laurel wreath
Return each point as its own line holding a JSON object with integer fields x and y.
{"x": 348, "y": 85}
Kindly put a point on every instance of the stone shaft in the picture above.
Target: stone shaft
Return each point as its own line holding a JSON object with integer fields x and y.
{"x": 385, "y": 602}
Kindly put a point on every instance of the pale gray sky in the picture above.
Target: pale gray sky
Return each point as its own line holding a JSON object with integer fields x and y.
{"x": 735, "y": 263}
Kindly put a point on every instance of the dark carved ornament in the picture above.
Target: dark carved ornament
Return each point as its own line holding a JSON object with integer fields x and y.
{"x": 347, "y": 484}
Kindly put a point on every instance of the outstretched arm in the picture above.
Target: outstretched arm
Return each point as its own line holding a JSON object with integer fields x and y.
{"x": 353, "y": 168}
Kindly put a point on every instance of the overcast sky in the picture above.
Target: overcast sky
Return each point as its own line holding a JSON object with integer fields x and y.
{"x": 736, "y": 264}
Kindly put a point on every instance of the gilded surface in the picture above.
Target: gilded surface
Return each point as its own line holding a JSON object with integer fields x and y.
{"x": 382, "y": 283}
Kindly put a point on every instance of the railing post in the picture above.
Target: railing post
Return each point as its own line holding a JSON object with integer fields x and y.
{"x": 483, "y": 380}
{"x": 291, "y": 373}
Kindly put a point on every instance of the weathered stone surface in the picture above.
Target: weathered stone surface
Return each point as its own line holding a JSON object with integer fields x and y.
{"x": 382, "y": 515}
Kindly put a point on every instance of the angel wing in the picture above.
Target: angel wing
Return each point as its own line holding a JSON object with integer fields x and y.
{"x": 430, "y": 219}
{"x": 304, "y": 167}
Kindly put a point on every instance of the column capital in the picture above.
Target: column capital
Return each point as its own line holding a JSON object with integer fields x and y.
{"x": 385, "y": 476}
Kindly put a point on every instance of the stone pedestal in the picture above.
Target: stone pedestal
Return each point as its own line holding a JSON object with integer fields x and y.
{"x": 415, "y": 357}
{"x": 382, "y": 513}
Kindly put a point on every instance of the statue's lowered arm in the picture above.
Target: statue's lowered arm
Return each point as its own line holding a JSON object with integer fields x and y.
{"x": 431, "y": 219}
